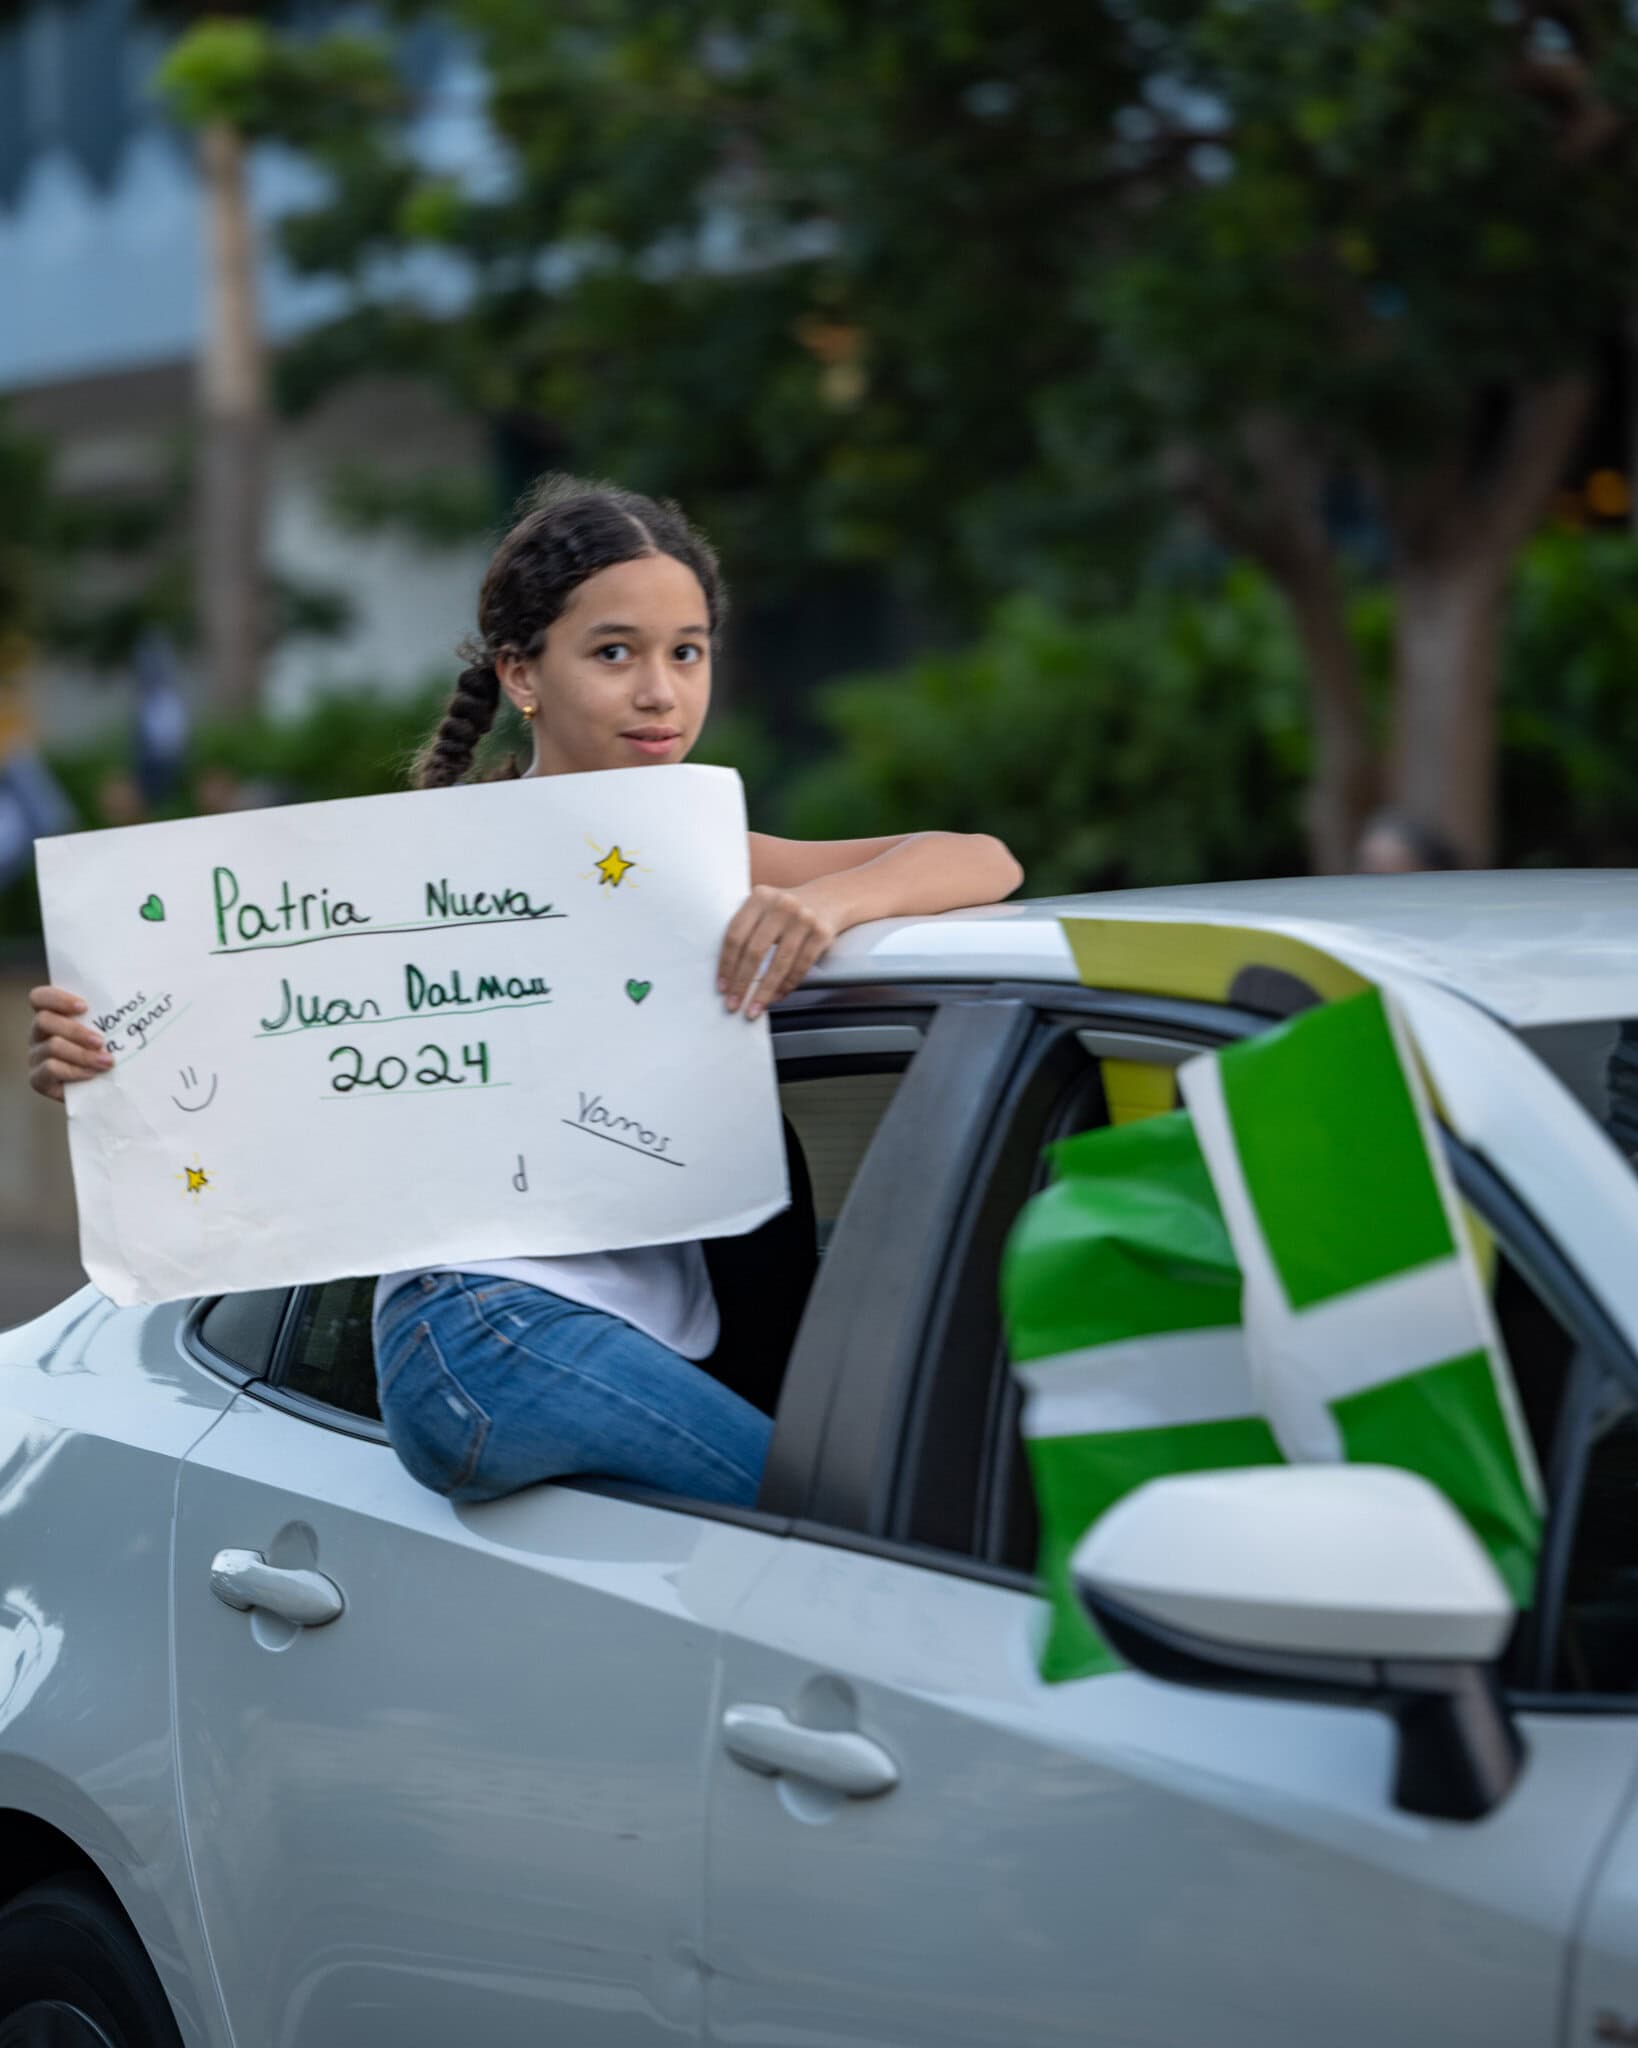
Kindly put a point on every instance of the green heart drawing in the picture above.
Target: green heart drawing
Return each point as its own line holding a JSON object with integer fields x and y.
{"x": 638, "y": 989}
{"x": 153, "y": 910}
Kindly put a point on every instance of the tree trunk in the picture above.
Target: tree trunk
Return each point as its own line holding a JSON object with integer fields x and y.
{"x": 1346, "y": 781}
{"x": 1456, "y": 537}
{"x": 1281, "y": 525}
{"x": 1447, "y": 646}
{"x": 233, "y": 409}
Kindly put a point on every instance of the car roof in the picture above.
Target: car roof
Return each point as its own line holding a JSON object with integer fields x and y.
{"x": 1532, "y": 947}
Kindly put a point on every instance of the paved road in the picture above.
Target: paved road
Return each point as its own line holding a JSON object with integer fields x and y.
{"x": 34, "y": 1276}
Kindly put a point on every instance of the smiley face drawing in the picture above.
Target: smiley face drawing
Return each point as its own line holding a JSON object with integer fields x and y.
{"x": 190, "y": 1081}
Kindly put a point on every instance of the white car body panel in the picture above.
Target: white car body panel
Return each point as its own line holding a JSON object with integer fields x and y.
{"x": 1115, "y": 1860}
{"x": 471, "y": 1808}
{"x": 1604, "y": 2001}
{"x": 1505, "y": 1103}
{"x": 1532, "y": 947}
{"x": 97, "y": 1407}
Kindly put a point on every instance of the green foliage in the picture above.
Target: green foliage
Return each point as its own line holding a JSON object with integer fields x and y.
{"x": 1168, "y": 743}
{"x": 437, "y": 508}
{"x": 1570, "y": 704}
{"x": 82, "y": 573}
{"x": 952, "y": 289}
{"x": 1394, "y": 214}
{"x": 25, "y": 526}
{"x": 1160, "y": 744}
{"x": 244, "y": 72}
{"x": 345, "y": 742}
{"x": 807, "y": 272}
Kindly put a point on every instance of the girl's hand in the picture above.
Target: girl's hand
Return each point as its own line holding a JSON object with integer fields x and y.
{"x": 60, "y": 1047}
{"x": 794, "y": 925}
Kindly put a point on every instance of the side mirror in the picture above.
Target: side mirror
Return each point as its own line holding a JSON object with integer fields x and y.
{"x": 1355, "y": 1584}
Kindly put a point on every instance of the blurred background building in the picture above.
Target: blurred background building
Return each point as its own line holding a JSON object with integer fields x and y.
{"x": 101, "y": 253}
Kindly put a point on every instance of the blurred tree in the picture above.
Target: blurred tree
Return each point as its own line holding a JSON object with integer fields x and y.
{"x": 807, "y": 267}
{"x": 236, "y": 80}
{"x": 964, "y": 289}
{"x": 26, "y": 513}
{"x": 1403, "y": 238}
{"x": 1162, "y": 743}
{"x": 1569, "y": 708}
{"x": 1168, "y": 742}
{"x": 67, "y": 559}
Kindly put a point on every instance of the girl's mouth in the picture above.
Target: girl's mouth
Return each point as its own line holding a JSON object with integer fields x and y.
{"x": 652, "y": 740}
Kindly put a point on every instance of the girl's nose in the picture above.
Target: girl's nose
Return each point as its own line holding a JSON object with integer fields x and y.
{"x": 654, "y": 687}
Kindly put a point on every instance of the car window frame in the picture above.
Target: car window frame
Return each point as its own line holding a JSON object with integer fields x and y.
{"x": 879, "y": 1015}
{"x": 1600, "y": 1349}
{"x": 903, "y": 1279}
{"x": 203, "y": 1352}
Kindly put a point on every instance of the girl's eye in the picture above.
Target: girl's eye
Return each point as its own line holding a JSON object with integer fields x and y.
{"x": 617, "y": 648}
{"x": 689, "y": 652}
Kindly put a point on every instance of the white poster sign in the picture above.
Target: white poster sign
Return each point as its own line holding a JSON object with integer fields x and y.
{"x": 398, "y": 1031}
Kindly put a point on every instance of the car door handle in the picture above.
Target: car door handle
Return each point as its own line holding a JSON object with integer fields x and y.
{"x": 245, "y": 1579}
{"x": 766, "y": 1740}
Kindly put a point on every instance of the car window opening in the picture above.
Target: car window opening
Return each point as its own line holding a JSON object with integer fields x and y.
{"x": 762, "y": 1279}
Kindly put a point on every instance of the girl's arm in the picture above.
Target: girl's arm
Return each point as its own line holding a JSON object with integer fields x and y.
{"x": 806, "y": 892}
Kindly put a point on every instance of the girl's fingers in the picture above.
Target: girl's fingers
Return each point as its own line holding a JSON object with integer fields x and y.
{"x": 773, "y": 940}
{"x": 54, "y": 1029}
{"x": 76, "y": 1050}
{"x": 774, "y": 979}
{"x": 786, "y": 974}
{"x": 751, "y": 952}
{"x": 57, "y": 999}
{"x": 781, "y": 981}
{"x": 69, "y": 1061}
{"x": 736, "y": 944}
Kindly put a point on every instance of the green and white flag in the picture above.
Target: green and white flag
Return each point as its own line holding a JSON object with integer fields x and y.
{"x": 1279, "y": 1272}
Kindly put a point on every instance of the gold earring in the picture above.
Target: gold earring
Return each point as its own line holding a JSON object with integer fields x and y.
{"x": 529, "y": 710}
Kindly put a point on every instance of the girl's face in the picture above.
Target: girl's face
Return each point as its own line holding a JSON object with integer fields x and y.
{"x": 625, "y": 675}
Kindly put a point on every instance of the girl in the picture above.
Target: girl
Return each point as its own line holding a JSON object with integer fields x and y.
{"x": 598, "y": 618}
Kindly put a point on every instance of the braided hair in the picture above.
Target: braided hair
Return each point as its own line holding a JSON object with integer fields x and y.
{"x": 568, "y": 531}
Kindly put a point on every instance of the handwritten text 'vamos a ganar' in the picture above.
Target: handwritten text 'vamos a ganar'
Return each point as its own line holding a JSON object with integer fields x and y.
{"x": 290, "y": 915}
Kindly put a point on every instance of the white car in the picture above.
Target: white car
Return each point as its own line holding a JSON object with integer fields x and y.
{"x": 295, "y": 1754}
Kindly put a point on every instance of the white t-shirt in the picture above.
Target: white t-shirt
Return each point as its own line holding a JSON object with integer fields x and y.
{"x": 664, "y": 1290}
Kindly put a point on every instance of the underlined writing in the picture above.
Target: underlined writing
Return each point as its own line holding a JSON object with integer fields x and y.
{"x": 440, "y": 924}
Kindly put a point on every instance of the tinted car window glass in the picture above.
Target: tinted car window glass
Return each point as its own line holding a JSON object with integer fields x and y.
{"x": 1598, "y": 1634}
{"x": 331, "y": 1356}
{"x": 835, "y": 1117}
{"x": 241, "y": 1327}
{"x": 1598, "y": 1063}
{"x": 959, "y": 1496}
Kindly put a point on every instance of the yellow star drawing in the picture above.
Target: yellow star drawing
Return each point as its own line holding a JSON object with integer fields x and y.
{"x": 195, "y": 1177}
{"x": 614, "y": 867}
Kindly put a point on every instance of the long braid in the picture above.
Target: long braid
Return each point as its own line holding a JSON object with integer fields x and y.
{"x": 569, "y": 531}
{"x": 447, "y": 755}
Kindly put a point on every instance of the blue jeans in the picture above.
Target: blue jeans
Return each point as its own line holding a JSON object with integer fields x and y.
{"x": 487, "y": 1385}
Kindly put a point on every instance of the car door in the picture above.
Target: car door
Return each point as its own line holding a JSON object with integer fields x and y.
{"x": 1590, "y": 1665}
{"x": 469, "y": 1807}
{"x": 913, "y": 1841}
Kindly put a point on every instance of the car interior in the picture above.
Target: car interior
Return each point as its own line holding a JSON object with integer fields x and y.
{"x": 762, "y": 1279}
